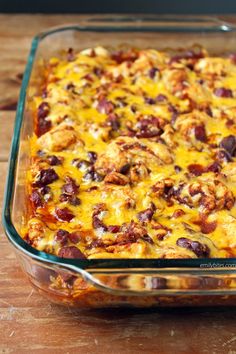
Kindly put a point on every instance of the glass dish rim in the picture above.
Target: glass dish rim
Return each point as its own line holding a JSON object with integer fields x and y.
{"x": 109, "y": 25}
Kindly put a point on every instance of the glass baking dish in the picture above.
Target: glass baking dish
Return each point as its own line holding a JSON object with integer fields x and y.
{"x": 114, "y": 282}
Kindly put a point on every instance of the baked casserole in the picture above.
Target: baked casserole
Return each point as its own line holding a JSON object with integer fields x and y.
{"x": 133, "y": 155}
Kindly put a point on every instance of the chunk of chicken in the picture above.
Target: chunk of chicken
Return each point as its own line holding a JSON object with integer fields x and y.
{"x": 58, "y": 138}
{"x": 132, "y": 152}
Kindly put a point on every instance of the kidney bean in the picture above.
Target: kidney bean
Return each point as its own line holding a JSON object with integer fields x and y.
{"x": 161, "y": 98}
{"x": 145, "y": 215}
{"x": 64, "y": 214}
{"x": 81, "y": 164}
{"x": 149, "y": 100}
{"x": 214, "y": 167}
{"x": 93, "y": 176}
{"x": 229, "y": 144}
{"x": 148, "y": 239}
{"x": 152, "y": 72}
{"x": 70, "y": 187}
{"x": 98, "y": 224}
{"x": 74, "y": 237}
{"x": 72, "y": 199}
{"x": 54, "y": 160}
{"x": 174, "y": 113}
{"x": 41, "y": 153}
{"x": 43, "y": 126}
{"x": 105, "y": 106}
{"x": 46, "y": 176}
{"x": 201, "y": 250}
{"x": 71, "y": 252}
{"x": 113, "y": 121}
{"x": 98, "y": 71}
{"x": 223, "y": 156}
{"x": 125, "y": 169}
{"x": 45, "y": 190}
{"x": 113, "y": 228}
{"x": 177, "y": 168}
{"x": 43, "y": 110}
{"x": 200, "y": 133}
{"x": 62, "y": 236}
{"x": 133, "y": 108}
{"x": 223, "y": 92}
{"x": 196, "y": 169}
{"x": 92, "y": 155}
{"x": 36, "y": 199}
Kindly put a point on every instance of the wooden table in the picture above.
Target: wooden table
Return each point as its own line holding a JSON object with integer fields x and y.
{"x": 28, "y": 323}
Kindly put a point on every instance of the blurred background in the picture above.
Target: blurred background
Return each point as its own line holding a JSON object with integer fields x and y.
{"x": 119, "y": 6}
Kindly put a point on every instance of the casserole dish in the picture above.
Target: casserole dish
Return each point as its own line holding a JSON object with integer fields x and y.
{"x": 113, "y": 282}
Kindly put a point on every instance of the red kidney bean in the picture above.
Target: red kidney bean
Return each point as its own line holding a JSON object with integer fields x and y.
{"x": 43, "y": 124}
{"x": 201, "y": 250}
{"x": 43, "y": 110}
{"x": 62, "y": 236}
{"x": 145, "y": 215}
{"x": 105, "y": 106}
{"x": 70, "y": 187}
{"x": 223, "y": 156}
{"x": 92, "y": 155}
{"x": 36, "y": 199}
{"x": 81, "y": 164}
{"x": 223, "y": 92}
{"x": 148, "y": 239}
{"x": 113, "y": 121}
{"x": 152, "y": 72}
{"x": 125, "y": 169}
{"x": 71, "y": 252}
{"x": 229, "y": 144}
{"x": 92, "y": 175}
{"x": 71, "y": 199}
{"x": 98, "y": 71}
{"x": 98, "y": 224}
{"x": 196, "y": 169}
{"x": 200, "y": 133}
{"x": 161, "y": 98}
{"x": 177, "y": 168}
{"x": 46, "y": 176}
{"x": 113, "y": 228}
{"x": 149, "y": 100}
{"x": 214, "y": 167}
{"x": 45, "y": 190}
{"x": 64, "y": 214}
{"x": 74, "y": 237}
{"x": 54, "y": 160}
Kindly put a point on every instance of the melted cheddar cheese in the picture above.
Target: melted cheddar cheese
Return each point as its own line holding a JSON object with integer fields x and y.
{"x": 133, "y": 156}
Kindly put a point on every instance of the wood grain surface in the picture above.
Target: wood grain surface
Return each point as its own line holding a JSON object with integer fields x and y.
{"x": 28, "y": 323}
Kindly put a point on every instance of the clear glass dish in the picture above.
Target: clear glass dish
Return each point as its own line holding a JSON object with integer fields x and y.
{"x": 114, "y": 282}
